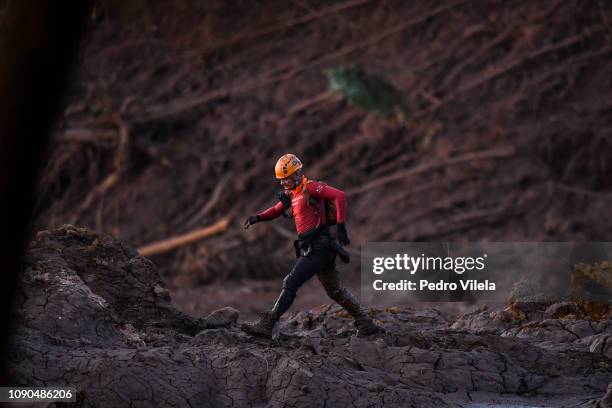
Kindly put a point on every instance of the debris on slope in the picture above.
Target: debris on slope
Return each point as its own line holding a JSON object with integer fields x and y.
{"x": 178, "y": 90}
{"x": 94, "y": 315}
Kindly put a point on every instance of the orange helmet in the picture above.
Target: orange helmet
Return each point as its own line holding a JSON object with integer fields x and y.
{"x": 287, "y": 165}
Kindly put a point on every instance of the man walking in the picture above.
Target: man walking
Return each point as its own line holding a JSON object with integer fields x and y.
{"x": 315, "y": 246}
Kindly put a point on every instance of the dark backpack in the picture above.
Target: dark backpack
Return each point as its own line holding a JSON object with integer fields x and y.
{"x": 330, "y": 205}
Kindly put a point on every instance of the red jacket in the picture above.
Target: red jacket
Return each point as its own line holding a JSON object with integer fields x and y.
{"x": 307, "y": 216}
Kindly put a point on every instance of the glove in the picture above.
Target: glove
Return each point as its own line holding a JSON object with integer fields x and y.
{"x": 251, "y": 220}
{"x": 285, "y": 199}
{"x": 342, "y": 235}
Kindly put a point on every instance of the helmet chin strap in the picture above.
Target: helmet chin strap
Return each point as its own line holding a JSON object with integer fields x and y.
{"x": 298, "y": 183}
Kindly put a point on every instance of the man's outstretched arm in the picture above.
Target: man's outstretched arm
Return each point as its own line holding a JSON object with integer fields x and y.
{"x": 271, "y": 213}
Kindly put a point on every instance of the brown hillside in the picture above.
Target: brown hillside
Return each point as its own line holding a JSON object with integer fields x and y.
{"x": 180, "y": 110}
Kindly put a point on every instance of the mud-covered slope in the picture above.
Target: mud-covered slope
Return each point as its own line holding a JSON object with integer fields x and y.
{"x": 93, "y": 315}
{"x": 180, "y": 110}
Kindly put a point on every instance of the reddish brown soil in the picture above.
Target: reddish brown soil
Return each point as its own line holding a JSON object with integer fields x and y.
{"x": 180, "y": 110}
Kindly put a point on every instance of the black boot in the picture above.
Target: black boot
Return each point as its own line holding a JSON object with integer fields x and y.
{"x": 262, "y": 328}
{"x": 366, "y": 326}
{"x": 331, "y": 282}
{"x": 265, "y": 325}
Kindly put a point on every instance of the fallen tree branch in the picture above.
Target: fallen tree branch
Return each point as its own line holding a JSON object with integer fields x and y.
{"x": 121, "y": 157}
{"x": 506, "y": 66}
{"x": 438, "y": 209}
{"x": 499, "y": 152}
{"x": 582, "y": 191}
{"x": 327, "y": 96}
{"x": 500, "y": 38}
{"x": 163, "y": 110}
{"x": 86, "y": 136}
{"x": 169, "y": 244}
{"x": 99, "y": 190}
{"x": 289, "y": 23}
{"x": 210, "y": 204}
{"x": 467, "y": 221}
{"x": 122, "y": 144}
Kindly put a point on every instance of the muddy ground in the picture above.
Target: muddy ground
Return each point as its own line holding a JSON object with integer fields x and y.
{"x": 96, "y": 316}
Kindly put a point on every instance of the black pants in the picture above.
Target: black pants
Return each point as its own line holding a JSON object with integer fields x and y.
{"x": 319, "y": 261}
